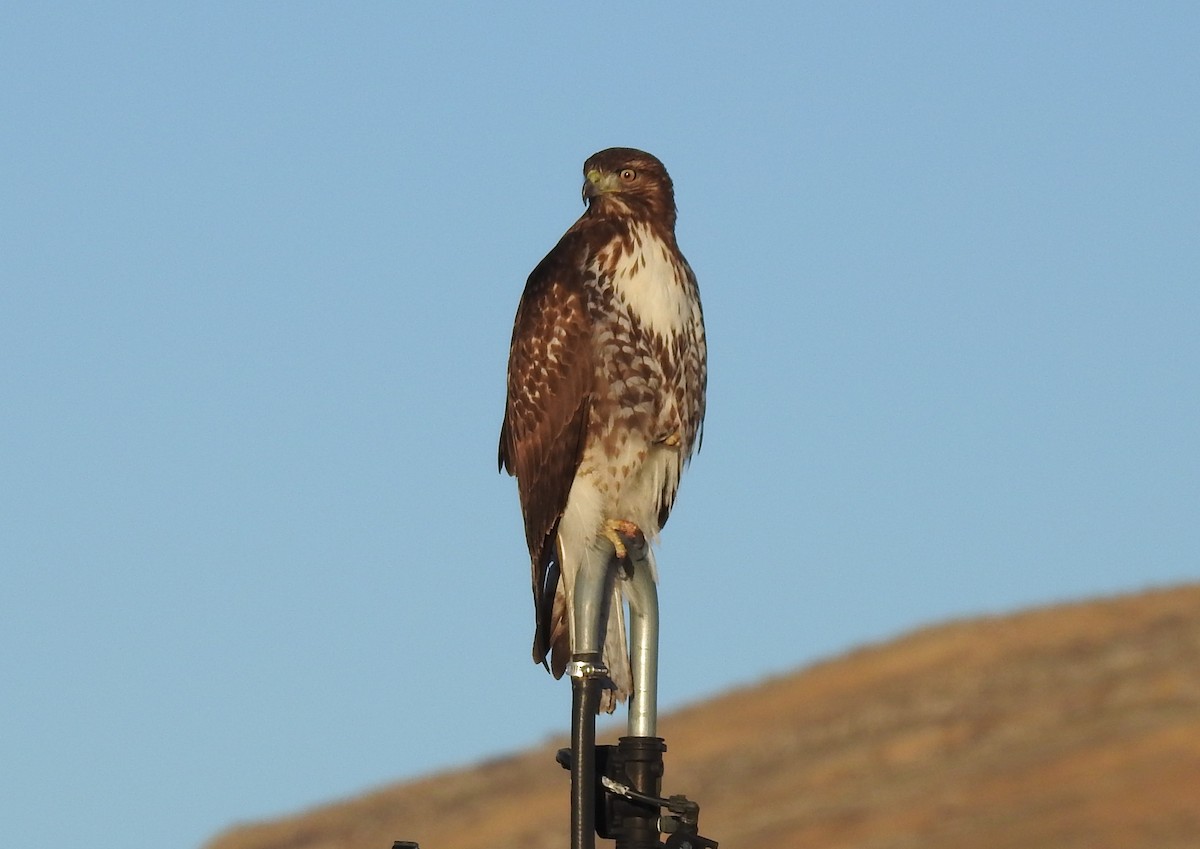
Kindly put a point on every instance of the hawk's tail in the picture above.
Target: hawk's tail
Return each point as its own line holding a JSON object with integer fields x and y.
{"x": 616, "y": 655}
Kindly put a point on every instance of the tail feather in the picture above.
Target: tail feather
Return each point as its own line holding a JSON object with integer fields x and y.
{"x": 546, "y": 593}
{"x": 560, "y": 634}
{"x": 616, "y": 656}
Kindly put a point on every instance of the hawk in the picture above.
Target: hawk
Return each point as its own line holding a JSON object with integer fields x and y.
{"x": 606, "y": 384}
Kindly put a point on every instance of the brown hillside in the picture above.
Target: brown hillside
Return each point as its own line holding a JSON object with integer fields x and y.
{"x": 1073, "y": 726}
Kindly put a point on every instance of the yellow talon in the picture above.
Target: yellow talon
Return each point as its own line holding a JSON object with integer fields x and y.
{"x": 672, "y": 440}
{"x": 614, "y": 529}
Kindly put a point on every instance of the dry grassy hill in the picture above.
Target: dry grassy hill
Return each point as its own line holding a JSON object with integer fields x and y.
{"x": 1073, "y": 726}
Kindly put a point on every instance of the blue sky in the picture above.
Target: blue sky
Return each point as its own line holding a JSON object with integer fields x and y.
{"x": 258, "y": 266}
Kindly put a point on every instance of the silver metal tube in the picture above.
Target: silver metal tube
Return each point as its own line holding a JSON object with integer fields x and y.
{"x": 592, "y": 590}
{"x": 642, "y": 594}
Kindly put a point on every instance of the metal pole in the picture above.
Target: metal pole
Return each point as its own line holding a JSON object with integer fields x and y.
{"x": 641, "y": 751}
{"x": 642, "y": 759}
{"x": 591, "y": 593}
{"x": 585, "y": 696}
{"x": 642, "y": 593}
{"x": 592, "y": 590}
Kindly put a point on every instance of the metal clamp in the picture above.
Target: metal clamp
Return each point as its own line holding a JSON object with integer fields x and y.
{"x": 585, "y": 669}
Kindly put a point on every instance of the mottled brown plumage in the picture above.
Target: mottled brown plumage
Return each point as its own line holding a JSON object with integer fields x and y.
{"x": 606, "y": 386}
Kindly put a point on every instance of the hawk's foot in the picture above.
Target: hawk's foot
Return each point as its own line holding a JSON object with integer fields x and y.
{"x": 616, "y": 529}
{"x": 671, "y": 440}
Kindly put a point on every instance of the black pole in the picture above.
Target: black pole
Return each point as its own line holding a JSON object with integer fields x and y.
{"x": 642, "y": 758}
{"x": 585, "y": 699}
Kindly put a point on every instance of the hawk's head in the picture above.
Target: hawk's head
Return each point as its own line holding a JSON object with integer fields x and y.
{"x": 628, "y": 181}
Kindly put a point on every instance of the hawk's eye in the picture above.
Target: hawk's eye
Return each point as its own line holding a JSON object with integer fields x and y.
{"x": 628, "y": 175}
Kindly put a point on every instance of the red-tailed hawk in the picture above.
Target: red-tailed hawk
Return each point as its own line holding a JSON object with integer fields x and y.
{"x": 606, "y": 381}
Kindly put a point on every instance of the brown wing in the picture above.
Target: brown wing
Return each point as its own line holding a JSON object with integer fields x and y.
{"x": 545, "y": 419}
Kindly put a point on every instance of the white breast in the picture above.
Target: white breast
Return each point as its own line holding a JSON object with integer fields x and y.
{"x": 649, "y": 282}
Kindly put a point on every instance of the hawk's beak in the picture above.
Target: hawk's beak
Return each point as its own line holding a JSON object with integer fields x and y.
{"x": 597, "y": 183}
